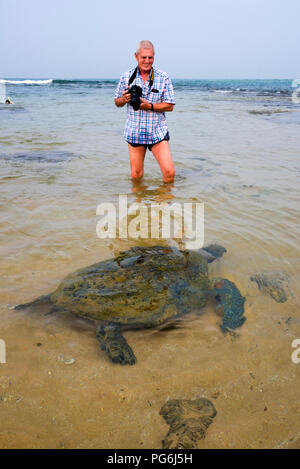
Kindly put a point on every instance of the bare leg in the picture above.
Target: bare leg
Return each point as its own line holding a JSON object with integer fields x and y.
{"x": 137, "y": 157}
{"x": 162, "y": 153}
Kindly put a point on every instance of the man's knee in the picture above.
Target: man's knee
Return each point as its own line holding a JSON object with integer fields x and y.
{"x": 136, "y": 173}
{"x": 169, "y": 173}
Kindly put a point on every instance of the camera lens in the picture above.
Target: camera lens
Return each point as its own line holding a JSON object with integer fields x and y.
{"x": 136, "y": 93}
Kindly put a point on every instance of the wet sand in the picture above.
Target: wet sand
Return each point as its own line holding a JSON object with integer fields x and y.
{"x": 92, "y": 403}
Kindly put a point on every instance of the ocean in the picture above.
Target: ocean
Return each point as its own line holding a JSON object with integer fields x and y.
{"x": 235, "y": 146}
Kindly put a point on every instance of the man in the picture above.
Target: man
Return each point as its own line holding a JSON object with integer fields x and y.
{"x": 146, "y": 127}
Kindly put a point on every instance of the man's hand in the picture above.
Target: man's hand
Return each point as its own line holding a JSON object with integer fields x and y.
{"x": 126, "y": 96}
{"x": 145, "y": 105}
{"x": 120, "y": 102}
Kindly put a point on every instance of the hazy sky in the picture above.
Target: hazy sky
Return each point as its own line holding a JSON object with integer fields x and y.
{"x": 193, "y": 38}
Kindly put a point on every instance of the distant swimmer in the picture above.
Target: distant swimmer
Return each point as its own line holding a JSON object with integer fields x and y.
{"x": 148, "y": 93}
{"x": 8, "y": 100}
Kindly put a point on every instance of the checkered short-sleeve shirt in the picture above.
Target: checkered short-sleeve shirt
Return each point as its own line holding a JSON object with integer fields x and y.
{"x": 147, "y": 127}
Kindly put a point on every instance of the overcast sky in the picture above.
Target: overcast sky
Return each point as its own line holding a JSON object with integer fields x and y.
{"x": 193, "y": 38}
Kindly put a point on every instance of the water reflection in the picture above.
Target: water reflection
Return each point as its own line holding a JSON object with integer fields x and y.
{"x": 160, "y": 194}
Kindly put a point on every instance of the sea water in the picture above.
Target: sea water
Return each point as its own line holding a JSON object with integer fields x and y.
{"x": 235, "y": 145}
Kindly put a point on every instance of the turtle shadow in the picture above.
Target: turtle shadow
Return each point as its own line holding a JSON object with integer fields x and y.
{"x": 273, "y": 284}
{"x": 188, "y": 420}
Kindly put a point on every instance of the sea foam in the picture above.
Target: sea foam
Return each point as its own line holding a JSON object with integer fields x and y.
{"x": 27, "y": 82}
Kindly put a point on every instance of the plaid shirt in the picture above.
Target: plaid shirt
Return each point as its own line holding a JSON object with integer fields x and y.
{"x": 147, "y": 127}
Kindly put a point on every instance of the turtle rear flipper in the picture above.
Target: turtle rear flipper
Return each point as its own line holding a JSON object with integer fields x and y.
{"x": 41, "y": 300}
{"x": 232, "y": 303}
{"x": 114, "y": 344}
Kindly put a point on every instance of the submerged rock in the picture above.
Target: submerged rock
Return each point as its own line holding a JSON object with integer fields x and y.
{"x": 46, "y": 156}
{"x": 188, "y": 420}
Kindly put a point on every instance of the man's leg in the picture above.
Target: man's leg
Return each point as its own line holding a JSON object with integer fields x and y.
{"x": 137, "y": 157}
{"x": 162, "y": 153}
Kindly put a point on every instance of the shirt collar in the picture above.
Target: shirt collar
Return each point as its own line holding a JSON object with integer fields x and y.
{"x": 140, "y": 76}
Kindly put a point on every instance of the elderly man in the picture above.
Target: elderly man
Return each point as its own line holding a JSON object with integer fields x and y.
{"x": 146, "y": 127}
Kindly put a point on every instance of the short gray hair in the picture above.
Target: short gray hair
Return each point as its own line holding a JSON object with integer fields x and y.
{"x": 144, "y": 45}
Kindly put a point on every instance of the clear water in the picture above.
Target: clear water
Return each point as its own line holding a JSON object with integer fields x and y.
{"x": 235, "y": 144}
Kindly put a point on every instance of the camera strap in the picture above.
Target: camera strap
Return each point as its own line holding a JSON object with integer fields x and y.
{"x": 151, "y": 78}
{"x": 133, "y": 77}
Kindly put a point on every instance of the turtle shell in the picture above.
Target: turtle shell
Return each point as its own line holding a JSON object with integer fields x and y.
{"x": 144, "y": 286}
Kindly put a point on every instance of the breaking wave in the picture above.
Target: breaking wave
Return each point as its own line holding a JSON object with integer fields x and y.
{"x": 27, "y": 82}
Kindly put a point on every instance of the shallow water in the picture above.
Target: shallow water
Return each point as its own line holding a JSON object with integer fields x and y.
{"x": 61, "y": 154}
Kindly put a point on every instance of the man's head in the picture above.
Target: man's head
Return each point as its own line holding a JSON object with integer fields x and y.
{"x": 145, "y": 56}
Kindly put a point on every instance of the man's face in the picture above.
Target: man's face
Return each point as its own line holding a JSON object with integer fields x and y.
{"x": 145, "y": 59}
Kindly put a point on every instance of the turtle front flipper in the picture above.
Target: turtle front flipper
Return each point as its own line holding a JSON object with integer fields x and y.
{"x": 231, "y": 302}
{"x": 114, "y": 344}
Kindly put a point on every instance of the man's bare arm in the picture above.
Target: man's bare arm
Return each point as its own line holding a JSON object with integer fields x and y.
{"x": 157, "y": 107}
{"x": 163, "y": 107}
{"x": 120, "y": 102}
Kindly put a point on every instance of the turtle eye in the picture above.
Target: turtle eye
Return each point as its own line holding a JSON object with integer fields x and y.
{"x": 140, "y": 260}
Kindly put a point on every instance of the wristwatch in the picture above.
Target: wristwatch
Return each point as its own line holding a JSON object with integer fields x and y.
{"x": 152, "y": 108}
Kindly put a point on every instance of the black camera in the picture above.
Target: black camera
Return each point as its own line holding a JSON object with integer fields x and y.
{"x": 136, "y": 93}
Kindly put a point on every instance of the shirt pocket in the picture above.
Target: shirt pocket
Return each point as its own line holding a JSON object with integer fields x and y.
{"x": 155, "y": 97}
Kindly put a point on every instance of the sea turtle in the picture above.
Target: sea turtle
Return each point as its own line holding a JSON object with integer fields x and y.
{"x": 143, "y": 287}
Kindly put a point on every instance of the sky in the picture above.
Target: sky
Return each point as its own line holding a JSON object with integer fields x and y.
{"x": 192, "y": 38}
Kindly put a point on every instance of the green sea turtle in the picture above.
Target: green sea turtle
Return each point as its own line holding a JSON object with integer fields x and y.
{"x": 143, "y": 287}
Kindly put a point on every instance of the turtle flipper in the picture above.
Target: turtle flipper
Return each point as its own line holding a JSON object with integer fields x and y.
{"x": 114, "y": 344}
{"x": 231, "y": 301}
{"x": 41, "y": 300}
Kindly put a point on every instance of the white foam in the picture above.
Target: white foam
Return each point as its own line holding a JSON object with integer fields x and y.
{"x": 27, "y": 82}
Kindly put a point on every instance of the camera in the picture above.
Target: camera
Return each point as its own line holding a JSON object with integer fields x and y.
{"x": 136, "y": 93}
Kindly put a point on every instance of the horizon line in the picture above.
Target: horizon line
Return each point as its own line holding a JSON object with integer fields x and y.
{"x": 117, "y": 78}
